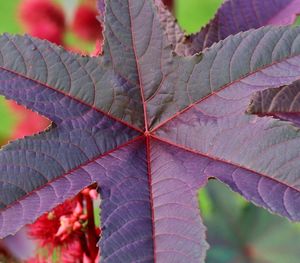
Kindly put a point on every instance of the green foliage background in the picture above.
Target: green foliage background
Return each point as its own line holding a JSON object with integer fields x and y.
{"x": 193, "y": 14}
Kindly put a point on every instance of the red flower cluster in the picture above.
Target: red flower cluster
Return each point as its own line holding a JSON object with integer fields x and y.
{"x": 48, "y": 21}
{"x": 169, "y": 3}
{"x": 85, "y": 23}
{"x": 43, "y": 19}
{"x": 45, "y": 229}
{"x": 71, "y": 228}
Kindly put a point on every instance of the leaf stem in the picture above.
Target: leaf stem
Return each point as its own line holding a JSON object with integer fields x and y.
{"x": 91, "y": 229}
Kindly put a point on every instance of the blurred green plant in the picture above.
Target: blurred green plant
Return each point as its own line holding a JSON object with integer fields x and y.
{"x": 7, "y": 121}
{"x": 8, "y": 23}
{"x": 240, "y": 232}
{"x": 193, "y": 14}
{"x": 8, "y": 18}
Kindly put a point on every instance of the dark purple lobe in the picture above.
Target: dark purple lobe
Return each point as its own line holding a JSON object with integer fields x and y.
{"x": 82, "y": 135}
{"x": 126, "y": 208}
{"x": 176, "y": 176}
{"x": 149, "y": 201}
{"x": 239, "y": 59}
{"x": 126, "y": 219}
{"x": 255, "y": 156}
{"x": 87, "y": 80}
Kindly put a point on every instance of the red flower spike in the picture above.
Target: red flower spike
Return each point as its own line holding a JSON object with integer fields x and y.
{"x": 67, "y": 231}
{"x": 32, "y": 12}
{"x": 76, "y": 226}
{"x": 36, "y": 260}
{"x": 83, "y": 217}
{"x": 168, "y": 3}
{"x": 86, "y": 259}
{"x": 65, "y": 228}
{"x": 45, "y": 228}
{"x": 98, "y": 48}
{"x": 46, "y": 22}
{"x": 98, "y": 231}
{"x": 85, "y": 24}
{"x": 85, "y": 191}
{"x": 93, "y": 194}
{"x": 48, "y": 30}
{"x": 78, "y": 210}
{"x": 72, "y": 252}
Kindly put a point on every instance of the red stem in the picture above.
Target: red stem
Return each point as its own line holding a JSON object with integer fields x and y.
{"x": 83, "y": 240}
{"x": 92, "y": 237}
{"x": 3, "y": 250}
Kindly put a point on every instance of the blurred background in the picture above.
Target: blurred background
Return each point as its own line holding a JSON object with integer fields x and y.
{"x": 238, "y": 232}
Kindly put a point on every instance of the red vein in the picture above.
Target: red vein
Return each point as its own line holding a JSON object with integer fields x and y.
{"x": 138, "y": 69}
{"x": 221, "y": 89}
{"x": 73, "y": 170}
{"x": 148, "y": 155}
{"x": 221, "y": 160}
{"x": 73, "y": 98}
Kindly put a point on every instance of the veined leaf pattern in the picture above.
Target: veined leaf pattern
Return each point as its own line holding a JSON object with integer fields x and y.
{"x": 150, "y": 127}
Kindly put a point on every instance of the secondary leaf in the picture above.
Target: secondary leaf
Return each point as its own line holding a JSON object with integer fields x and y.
{"x": 150, "y": 127}
{"x": 282, "y": 103}
{"x": 278, "y": 100}
{"x": 235, "y": 16}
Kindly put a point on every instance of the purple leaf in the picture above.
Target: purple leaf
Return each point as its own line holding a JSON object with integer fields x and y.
{"x": 175, "y": 35}
{"x": 215, "y": 124}
{"x": 282, "y": 103}
{"x": 278, "y": 100}
{"x": 235, "y": 16}
{"x": 150, "y": 127}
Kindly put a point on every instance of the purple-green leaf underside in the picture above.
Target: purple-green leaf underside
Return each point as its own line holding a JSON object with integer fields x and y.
{"x": 282, "y": 103}
{"x": 150, "y": 127}
{"x": 276, "y": 100}
{"x": 235, "y": 16}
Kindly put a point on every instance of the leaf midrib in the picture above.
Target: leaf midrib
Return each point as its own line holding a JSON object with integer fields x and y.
{"x": 214, "y": 158}
{"x": 138, "y": 68}
{"x": 100, "y": 156}
{"x": 73, "y": 98}
{"x": 165, "y": 122}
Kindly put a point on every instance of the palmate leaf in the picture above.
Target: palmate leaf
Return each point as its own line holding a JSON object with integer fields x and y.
{"x": 150, "y": 127}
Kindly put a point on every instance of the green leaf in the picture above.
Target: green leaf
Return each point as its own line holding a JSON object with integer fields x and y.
{"x": 8, "y": 21}
{"x": 245, "y": 233}
{"x": 7, "y": 120}
{"x": 193, "y": 14}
